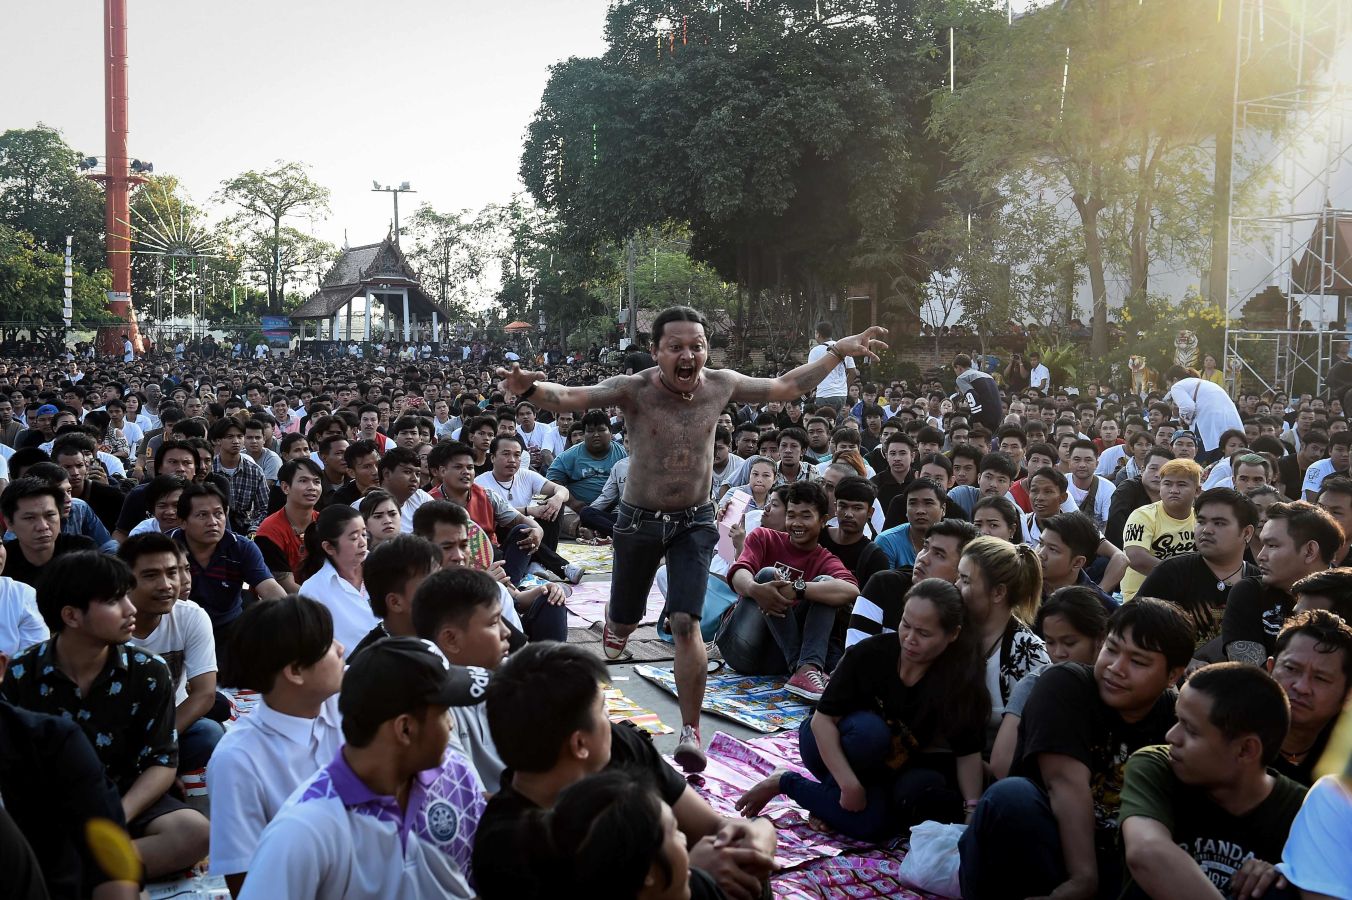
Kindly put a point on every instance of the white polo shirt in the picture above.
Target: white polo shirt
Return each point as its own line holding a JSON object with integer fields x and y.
{"x": 259, "y": 763}
{"x": 336, "y": 839}
{"x": 352, "y": 616}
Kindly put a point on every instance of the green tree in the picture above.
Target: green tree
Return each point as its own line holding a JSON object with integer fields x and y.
{"x": 789, "y": 136}
{"x": 32, "y": 282}
{"x": 286, "y": 258}
{"x": 1113, "y": 105}
{"x": 450, "y": 252}
{"x": 265, "y": 199}
{"x": 42, "y": 194}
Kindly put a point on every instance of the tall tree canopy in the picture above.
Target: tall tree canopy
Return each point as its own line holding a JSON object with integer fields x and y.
{"x": 1113, "y": 106}
{"x": 42, "y": 193}
{"x": 789, "y": 135}
{"x": 265, "y": 199}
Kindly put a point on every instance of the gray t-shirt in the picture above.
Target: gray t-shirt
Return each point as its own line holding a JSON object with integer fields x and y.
{"x": 1023, "y": 689}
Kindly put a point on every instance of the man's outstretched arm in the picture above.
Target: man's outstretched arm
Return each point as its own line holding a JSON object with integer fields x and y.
{"x": 807, "y": 376}
{"x": 614, "y": 391}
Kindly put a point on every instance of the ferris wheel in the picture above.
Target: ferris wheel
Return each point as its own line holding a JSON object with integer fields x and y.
{"x": 179, "y": 248}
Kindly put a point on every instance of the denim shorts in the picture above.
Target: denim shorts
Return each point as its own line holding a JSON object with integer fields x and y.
{"x": 642, "y": 539}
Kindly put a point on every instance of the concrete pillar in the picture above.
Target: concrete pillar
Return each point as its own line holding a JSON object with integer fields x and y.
{"x": 436, "y": 338}
{"x": 333, "y": 333}
{"x": 408, "y": 334}
{"x": 366, "y": 320}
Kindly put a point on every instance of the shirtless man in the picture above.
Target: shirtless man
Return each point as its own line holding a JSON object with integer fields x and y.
{"x": 670, "y": 413}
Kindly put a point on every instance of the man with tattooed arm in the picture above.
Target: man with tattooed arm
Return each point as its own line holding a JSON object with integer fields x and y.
{"x": 670, "y": 413}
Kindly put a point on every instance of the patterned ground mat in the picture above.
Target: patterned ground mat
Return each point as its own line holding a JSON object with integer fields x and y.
{"x": 621, "y": 709}
{"x": 758, "y": 702}
{"x": 587, "y": 605}
{"x": 598, "y": 560}
{"x": 644, "y": 645}
{"x": 814, "y": 865}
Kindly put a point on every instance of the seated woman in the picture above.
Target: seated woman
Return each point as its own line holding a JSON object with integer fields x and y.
{"x": 162, "y": 500}
{"x": 335, "y": 548}
{"x": 761, "y": 474}
{"x": 997, "y": 517}
{"x": 381, "y": 515}
{"x": 1073, "y": 623}
{"x": 897, "y": 736}
{"x": 1001, "y": 586}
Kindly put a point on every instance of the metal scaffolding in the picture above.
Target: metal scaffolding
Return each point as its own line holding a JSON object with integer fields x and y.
{"x": 1286, "y": 150}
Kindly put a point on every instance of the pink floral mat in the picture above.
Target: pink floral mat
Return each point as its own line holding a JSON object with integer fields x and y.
{"x": 814, "y": 865}
{"x": 588, "y": 603}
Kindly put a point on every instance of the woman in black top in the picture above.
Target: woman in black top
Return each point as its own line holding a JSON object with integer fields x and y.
{"x": 898, "y": 734}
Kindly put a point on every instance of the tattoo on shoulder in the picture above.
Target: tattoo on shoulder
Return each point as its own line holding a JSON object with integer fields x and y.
{"x": 611, "y": 392}
{"x": 747, "y": 389}
{"x": 1251, "y": 652}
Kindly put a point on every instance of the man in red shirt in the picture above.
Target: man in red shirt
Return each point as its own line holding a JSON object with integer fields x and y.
{"x": 799, "y": 587}
{"x": 281, "y": 536}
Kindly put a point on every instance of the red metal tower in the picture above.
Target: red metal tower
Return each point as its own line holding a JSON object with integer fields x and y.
{"x": 117, "y": 177}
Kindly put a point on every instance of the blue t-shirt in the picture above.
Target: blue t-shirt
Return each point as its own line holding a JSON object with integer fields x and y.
{"x": 583, "y": 474}
{"x": 896, "y": 543}
{"x": 218, "y": 586}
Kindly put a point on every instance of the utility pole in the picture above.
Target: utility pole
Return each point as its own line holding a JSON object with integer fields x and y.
{"x": 403, "y": 188}
{"x": 633, "y": 309}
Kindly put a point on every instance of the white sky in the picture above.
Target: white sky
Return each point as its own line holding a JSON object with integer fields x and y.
{"x": 434, "y": 92}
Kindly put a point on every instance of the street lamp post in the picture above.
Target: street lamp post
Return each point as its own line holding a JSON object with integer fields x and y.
{"x": 403, "y": 188}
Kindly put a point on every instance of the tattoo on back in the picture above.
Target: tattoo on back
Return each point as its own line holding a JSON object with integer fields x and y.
{"x": 1250, "y": 652}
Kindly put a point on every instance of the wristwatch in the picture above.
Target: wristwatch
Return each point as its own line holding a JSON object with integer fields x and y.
{"x": 800, "y": 589}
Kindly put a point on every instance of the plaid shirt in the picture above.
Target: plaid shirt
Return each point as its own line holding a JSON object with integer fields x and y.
{"x": 248, "y": 494}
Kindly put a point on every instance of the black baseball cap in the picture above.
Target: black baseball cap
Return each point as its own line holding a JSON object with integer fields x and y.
{"x": 397, "y": 675}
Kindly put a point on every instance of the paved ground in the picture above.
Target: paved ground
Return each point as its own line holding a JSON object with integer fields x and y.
{"x": 650, "y": 696}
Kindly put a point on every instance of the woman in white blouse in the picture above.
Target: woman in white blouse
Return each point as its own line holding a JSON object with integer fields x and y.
{"x": 335, "y": 546}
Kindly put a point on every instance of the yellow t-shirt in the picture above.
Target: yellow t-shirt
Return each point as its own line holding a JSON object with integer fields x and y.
{"x": 1160, "y": 534}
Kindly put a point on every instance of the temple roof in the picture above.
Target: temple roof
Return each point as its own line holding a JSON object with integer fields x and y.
{"x": 376, "y": 267}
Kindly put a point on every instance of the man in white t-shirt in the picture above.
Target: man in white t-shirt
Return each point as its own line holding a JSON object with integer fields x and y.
{"x": 541, "y": 439}
{"x": 21, "y": 624}
{"x": 1039, "y": 376}
{"x": 178, "y": 632}
{"x": 519, "y": 485}
{"x": 1092, "y": 494}
{"x": 832, "y": 389}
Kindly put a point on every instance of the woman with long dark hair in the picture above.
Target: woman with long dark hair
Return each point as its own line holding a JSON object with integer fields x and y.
{"x": 381, "y": 514}
{"x": 898, "y": 734}
{"x": 1073, "y": 624}
{"x": 335, "y": 548}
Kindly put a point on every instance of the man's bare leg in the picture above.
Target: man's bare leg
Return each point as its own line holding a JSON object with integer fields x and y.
{"x": 692, "y": 672}
{"x": 174, "y": 842}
